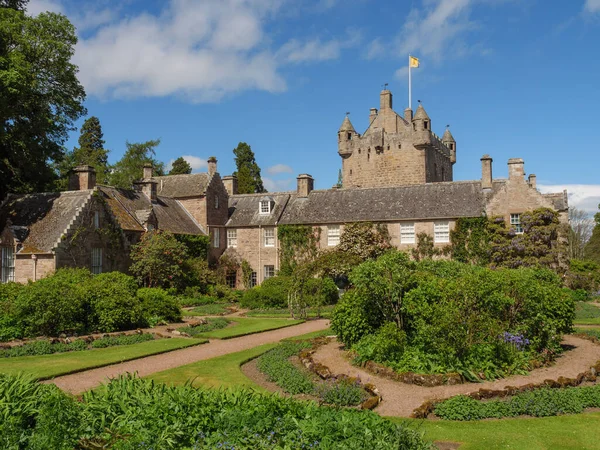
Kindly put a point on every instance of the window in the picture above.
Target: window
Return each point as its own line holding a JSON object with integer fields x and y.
{"x": 231, "y": 238}
{"x": 441, "y": 232}
{"x": 265, "y": 207}
{"x": 253, "y": 279}
{"x": 333, "y": 235}
{"x": 269, "y": 237}
{"x": 231, "y": 278}
{"x": 269, "y": 272}
{"x": 515, "y": 221}
{"x": 426, "y": 125}
{"x": 349, "y": 136}
{"x": 7, "y": 262}
{"x": 96, "y": 260}
{"x": 407, "y": 233}
{"x": 96, "y": 220}
{"x": 216, "y": 237}
{"x": 216, "y": 202}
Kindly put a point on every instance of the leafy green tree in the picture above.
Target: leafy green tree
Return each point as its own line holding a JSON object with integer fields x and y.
{"x": 158, "y": 259}
{"x": 248, "y": 172}
{"x": 40, "y": 96}
{"x": 592, "y": 249}
{"x": 180, "y": 167}
{"x": 365, "y": 240}
{"x": 131, "y": 167}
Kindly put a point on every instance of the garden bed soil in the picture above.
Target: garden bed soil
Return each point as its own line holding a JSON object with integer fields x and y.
{"x": 400, "y": 399}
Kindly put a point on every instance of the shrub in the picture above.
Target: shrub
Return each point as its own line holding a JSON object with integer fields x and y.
{"x": 157, "y": 303}
{"x": 272, "y": 293}
{"x": 10, "y": 326}
{"x": 353, "y": 318}
{"x": 112, "y": 341}
{"x": 344, "y": 392}
{"x": 211, "y": 325}
{"x": 386, "y": 344}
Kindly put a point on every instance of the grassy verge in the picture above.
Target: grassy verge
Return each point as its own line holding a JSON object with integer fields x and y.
{"x": 243, "y": 326}
{"x": 311, "y": 335}
{"x": 49, "y": 366}
{"x": 586, "y": 314}
{"x": 579, "y": 431}
{"x": 223, "y": 371}
{"x": 592, "y": 321}
{"x": 274, "y": 312}
{"x": 213, "y": 309}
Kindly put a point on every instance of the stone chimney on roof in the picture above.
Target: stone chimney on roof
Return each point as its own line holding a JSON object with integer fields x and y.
{"x": 516, "y": 169}
{"x": 486, "y": 172}
{"x": 385, "y": 99}
{"x": 82, "y": 178}
{"x": 532, "y": 181}
{"x": 212, "y": 166}
{"x": 147, "y": 184}
{"x": 147, "y": 171}
{"x": 231, "y": 184}
{"x": 305, "y": 184}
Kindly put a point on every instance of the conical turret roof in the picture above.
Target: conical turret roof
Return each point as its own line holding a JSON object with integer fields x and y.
{"x": 448, "y": 136}
{"x": 421, "y": 114}
{"x": 347, "y": 125}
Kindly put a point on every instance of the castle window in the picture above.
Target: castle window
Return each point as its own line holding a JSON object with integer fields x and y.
{"x": 231, "y": 279}
{"x": 96, "y": 260}
{"x": 349, "y": 136}
{"x": 451, "y": 146}
{"x": 425, "y": 125}
{"x": 350, "y": 171}
{"x": 96, "y": 220}
{"x": 359, "y": 151}
{"x": 333, "y": 235}
{"x": 414, "y": 126}
{"x": 269, "y": 272}
{"x": 232, "y": 237}
{"x": 7, "y": 262}
{"x": 216, "y": 202}
{"x": 265, "y": 206}
{"x": 253, "y": 279}
{"x": 399, "y": 146}
{"x": 441, "y": 232}
{"x": 388, "y": 147}
{"x": 369, "y": 157}
{"x": 269, "y": 237}
{"x": 407, "y": 233}
{"x": 515, "y": 221}
{"x": 216, "y": 237}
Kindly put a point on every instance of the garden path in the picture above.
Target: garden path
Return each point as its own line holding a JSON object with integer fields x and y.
{"x": 400, "y": 399}
{"x": 78, "y": 383}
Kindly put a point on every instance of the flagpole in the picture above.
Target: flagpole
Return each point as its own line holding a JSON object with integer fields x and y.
{"x": 409, "y": 85}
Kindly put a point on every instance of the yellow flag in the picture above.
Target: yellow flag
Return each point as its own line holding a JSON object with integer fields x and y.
{"x": 413, "y": 62}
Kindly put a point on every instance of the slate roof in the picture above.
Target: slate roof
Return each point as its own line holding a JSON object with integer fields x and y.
{"x": 39, "y": 220}
{"x": 130, "y": 207}
{"x": 428, "y": 201}
{"x": 244, "y": 212}
{"x": 181, "y": 186}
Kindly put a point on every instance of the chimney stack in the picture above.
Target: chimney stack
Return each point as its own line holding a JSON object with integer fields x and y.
{"x": 212, "y": 166}
{"x": 147, "y": 184}
{"x": 385, "y": 99}
{"x": 516, "y": 169}
{"x": 305, "y": 184}
{"x": 147, "y": 171}
{"x": 82, "y": 178}
{"x": 532, "y": 181}
{"x": 408, "y": 115}
{"x": 372, "y": 115}
{"x": 231, "y": 184}
{"x": 486, "y": 172}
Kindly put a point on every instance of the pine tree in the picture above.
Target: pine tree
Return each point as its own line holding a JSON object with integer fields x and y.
{"x": 592, "y": 249}
{"x": 248, "y": 172}
{"x": 131, "y": 167}
{"x": 340, "y": 179}
{"x": 180, "y": 167}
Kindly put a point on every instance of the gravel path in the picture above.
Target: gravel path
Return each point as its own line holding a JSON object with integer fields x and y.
{"x": 400, "y": 399}
{"x": 83, "y": 381}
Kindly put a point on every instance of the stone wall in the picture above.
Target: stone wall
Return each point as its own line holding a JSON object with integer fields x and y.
{"x": 250, "y": 246}
{"x": 29, "y": 268}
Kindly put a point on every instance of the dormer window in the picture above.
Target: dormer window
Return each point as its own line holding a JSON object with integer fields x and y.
{"x": 266, "y": 205}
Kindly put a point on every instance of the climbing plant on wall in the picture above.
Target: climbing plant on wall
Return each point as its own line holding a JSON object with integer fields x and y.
{"x": 470, "y": 240}
{"x": 298, "y": 245}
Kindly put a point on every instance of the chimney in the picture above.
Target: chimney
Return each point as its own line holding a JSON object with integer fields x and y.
{"x": 486, "y": 172}
{"x": 147, "y": 171}
{"x": 231, "y": 184}
{"x": 147, "y": 185}
{"x": 532, "y": 181}
{"x": 372, "y": 115}
{"x": 516, "y": 169}
{"x": 305, "y": 184}
{"x": 82, "y": 178}
{"x": 408, "y": 115}
{"x": 385, "y": 99}
{"x": 212, "y": 166}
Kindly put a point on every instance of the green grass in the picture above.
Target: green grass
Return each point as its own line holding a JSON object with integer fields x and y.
{"x": 213, "y": 309}
{"x": 49, "y": 366}
{"x": 586, "y": 314}
{"x": 243, "y": 326}
{"x": 275, "y": 312}
{"x": 223, "y": 371}
{"x": 311, "y": 335}
{"x": 577, "y": 432}
{"x": 594, "y": 321}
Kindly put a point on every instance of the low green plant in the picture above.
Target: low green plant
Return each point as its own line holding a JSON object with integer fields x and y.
{"x": 276, "y": 366}
{"x": 111, "y": 341}
{"x": 344, "y": 392}
{"x": 212, "y": 309}
{"x": 156, "y": 303}
{"x": 199, "y": 300}
{"x": 211, "y": 325}
{"x": 584, "y": 310}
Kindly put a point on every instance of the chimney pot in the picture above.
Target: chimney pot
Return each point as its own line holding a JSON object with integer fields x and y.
{"x": 212, "y": 166}
{"x": 305, "y": 184}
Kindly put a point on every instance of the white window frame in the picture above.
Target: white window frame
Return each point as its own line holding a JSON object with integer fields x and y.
{"x": 7, "y": 262}
{"x": 269, "y": 271}
{"x": 407, "y": 233}
{"x": 441, "y": 232}
{"x": 216, "y": 237}
{"x": 333, "y": 235}
{"x": 231, "y": 237}
{"x": 96, "y": 261}
{"x": 515, "y": 222}
{"x": 269, "y": 236}
{"x": 264, "y": 207}
{"x": 96, "y": 220}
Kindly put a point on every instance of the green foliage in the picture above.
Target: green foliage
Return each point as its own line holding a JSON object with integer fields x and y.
{"x": 210, "y": 325}
{"x": 40, "y": 99}
{"x": 298, "y": 245}
{"x": 247, "y": 172}
{"x": 198, "y": 278}
{"x": 197, "y": 246}
{"x": 471, "y": 241}
{"x": 306, "y": 291}
{"x": 157, "y": 303}
{"x": 158, "y": 259}
{"x": 10, "y": 327}
{"x": 198, "y": 300}
{"x": 180, "y": 167}
{"x": 386, "y": 344}
{"x": 334, "y": 264}
{"x": 592, "y": 248}
{"x": 537, "y": 403}
{"x": 365, "y": 240}
{"x": 344, "y": 392}
{"x": 211, "y": 309}
{"x": 583, "y": 274}
{"x": 113, "y": 341}
{"x": 272, "y": 293}
{"x": 586, "y": 311}
{"x": 276, "y": 366}
{"x": 425, "y": 248}
{"x": 130, "y": 167}
{"x": 354, "y": 318}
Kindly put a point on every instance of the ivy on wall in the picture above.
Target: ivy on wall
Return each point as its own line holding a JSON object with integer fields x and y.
{"x": 471, "y": 241}
{"x": 298, "y": 245}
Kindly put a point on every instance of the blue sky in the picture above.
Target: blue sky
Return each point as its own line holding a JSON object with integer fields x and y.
{"x": 512, "y": 78}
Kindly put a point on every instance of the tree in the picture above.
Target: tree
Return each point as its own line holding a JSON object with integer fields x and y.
{"x": 180, "y": 167}
{"x": 248, "y": 172}
{"x": 592, "y": 249}
{"x": 158, "y": 259}
{"x": 365, "y": 240}
{"x": 40, "y": 96}
{"x": 131, "y": 167}
{"x": 581, "y": 226}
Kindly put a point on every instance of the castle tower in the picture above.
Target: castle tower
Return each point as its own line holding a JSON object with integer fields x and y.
{"x": 449, "y": 141}
{"x": 346, "y": 134}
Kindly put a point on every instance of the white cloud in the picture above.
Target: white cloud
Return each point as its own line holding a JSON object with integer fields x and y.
{"x": 194, "y": 161}
{"x": 592, "y": 6}
{"x": 39, "y": 6}
{"x": 375, "y": 49}
{"x": 277, "y": 185}
{"x": 582, "y": 196}
{"x": 279, "y": 168}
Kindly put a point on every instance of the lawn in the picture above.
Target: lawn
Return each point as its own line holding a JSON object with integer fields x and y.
{"x": 284, "y": 312}
{"x": 242, "y": 326}
{"x": 587, "y": 314}
{"x": 577, "y": 432}
{"x": 223, "y": 371}
{"x": 212, "y": 309}
{"x": 49, "y": 366}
